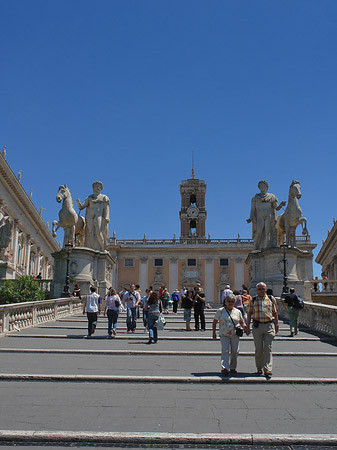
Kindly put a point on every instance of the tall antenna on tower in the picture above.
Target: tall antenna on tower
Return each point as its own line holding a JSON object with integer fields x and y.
{"x": 193, "y": 174}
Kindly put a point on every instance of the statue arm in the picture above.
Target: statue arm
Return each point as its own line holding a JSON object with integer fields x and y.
{"x": 278, "y": 207}
{"x": 252, "y": 211}
{"x": 107, "y": 210}
{"x": 83, "y": 205}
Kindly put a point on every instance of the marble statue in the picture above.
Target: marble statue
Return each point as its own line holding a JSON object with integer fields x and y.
{"x": 69, "y": 220}
{"x": 292, "y": 217}
{"x": 97, "y": 218}
{"x": 6, "y": 227}
{"x": 263, "y": 217}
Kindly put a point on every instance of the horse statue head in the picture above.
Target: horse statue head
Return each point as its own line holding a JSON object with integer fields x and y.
{"x": 63, "y": 193}
{"x": 295, "y": 189}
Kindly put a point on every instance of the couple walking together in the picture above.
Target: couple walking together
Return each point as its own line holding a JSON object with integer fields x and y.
{"x": 262, "y": 309}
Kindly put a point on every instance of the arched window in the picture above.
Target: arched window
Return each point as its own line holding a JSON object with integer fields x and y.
{"x": 193, "y": 200}
{"x": 193, "y": 228}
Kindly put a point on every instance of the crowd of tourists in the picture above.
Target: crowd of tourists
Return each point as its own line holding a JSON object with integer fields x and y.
{"x": 239, "y": 314}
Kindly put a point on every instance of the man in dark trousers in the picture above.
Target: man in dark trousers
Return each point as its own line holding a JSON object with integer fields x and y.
{"x": 290, "y": 306}
{"x": 93, "y": 307}
{"x": 199, "y": 306}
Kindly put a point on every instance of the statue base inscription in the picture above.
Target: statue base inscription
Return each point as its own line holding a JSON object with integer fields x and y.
{"x": 267, "y": 265}
{"x": 87, "y": 267}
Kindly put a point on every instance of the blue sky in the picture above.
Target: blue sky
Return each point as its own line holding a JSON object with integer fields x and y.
{"x": 124, "y": 91}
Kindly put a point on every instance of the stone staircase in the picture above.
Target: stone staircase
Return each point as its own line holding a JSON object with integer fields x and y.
{"x": 59, "y": 388}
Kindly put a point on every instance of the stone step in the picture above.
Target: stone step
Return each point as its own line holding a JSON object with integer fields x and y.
{"x": 237, "y": 379}
{"x": 154, "y": 352}
{"x": 165, "y": 440}
{"x": 143, "y": 336}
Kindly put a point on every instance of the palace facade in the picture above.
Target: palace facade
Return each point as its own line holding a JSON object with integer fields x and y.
{"x": 26, "y": 243}
{"x": 193, "y": 258}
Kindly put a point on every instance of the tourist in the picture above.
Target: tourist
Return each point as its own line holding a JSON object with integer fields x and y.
{"x": 164, "y": 297}
{"x": 153, "y": 307}
{"x": 187, "y": 304}
{"x": 230, "y": 319}
{"x": 132, "y": 300}
{"x": 263, "y": 310}
{"x": 199, "y": 306}
{"x": 112, "y": 305}
{"x": 290, "y": 302}
{"x": 92, "y": 306}
{"x": 175, "y": 300}
{"x": 225, "y": 292}
{"x": 142, "y": 304}
{"x": 245, "y": 299}
{"x": 77, "y": 291}
{"x": 182, "y": 293}
{"x": 239, "y": 303}
{"x": 138, "y": 289}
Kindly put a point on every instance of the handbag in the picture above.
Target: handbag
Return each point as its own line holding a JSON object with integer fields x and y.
{"x": 238, "y": 331}
{"x": 160, "y": 322}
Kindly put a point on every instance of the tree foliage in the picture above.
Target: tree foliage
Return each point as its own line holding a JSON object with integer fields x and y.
{"x": 25, "y": 289}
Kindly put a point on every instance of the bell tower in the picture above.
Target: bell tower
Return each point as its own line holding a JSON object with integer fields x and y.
{"x": 192, "y": 212}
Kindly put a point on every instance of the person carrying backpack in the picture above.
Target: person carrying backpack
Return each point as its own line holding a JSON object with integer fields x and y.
{"x": 292, "y": 305}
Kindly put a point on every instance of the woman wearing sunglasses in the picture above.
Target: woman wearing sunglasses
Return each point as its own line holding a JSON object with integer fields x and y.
{"x": 229, "y": 319}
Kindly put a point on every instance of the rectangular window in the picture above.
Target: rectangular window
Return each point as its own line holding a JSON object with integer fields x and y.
{"x": 223, "y": 262}
{"x": 191, "y": 262}
{"x": 158, "y": 262}
{"x": 128, "y": 262}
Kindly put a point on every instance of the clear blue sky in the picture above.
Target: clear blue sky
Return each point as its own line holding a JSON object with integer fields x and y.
{"x": 124, "y": 91}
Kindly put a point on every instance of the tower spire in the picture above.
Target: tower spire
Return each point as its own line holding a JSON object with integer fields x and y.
{"x": 193, "y": 173}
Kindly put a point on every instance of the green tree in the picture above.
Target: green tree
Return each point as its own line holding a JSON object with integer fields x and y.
{"x": 25, "y": 289}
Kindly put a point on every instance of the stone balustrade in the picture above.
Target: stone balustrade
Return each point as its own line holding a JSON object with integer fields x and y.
{"x": 316, "y": 316}
{"x": 323, "y": 286}
{"x": 23, "y": 315}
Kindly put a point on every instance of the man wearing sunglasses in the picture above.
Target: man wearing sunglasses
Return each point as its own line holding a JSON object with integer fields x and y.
{"x": 263, "y": 310}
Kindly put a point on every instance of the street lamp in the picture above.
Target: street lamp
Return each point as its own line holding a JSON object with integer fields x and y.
{"x": 66, "y": 292}
{"x": 285, "y": 289}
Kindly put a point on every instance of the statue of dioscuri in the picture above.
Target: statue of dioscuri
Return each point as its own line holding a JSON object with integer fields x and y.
{"x": 96, "y": 217}
{"x": 263, "y": 217}
{"x": 292, "y": 217}
{"x": 69, "y": 220}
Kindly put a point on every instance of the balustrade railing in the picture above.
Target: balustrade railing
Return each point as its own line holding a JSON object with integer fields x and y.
{"x": 317, "y": 317}
{"x": 190, "y": 241}
{"x": 23, "y": 315}
{"x": 323, "y": 286}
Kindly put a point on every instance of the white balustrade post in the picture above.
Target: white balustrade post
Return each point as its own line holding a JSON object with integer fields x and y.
{"x": 34, "y": 314}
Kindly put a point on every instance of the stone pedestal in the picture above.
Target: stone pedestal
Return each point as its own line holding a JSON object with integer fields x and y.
{"x": 267, "y": 266}
{"x": 87, "y": 267}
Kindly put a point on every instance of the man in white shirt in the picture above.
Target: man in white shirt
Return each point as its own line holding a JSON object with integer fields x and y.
{"x": 132, "y": 302}
{"x": 226, "y": 292}
{"x": 93, "y": 307}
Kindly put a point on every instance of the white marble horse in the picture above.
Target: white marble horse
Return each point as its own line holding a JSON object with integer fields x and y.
{"x": 291, "y": 218}
{"x": 69, "y": 220}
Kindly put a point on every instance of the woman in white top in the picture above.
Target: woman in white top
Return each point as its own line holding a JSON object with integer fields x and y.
{"x": 112, "y": 305}
{"x": 229, "y": 319}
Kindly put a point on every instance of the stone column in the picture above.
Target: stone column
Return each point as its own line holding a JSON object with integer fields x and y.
{"x": 15, "y": 242}
{"x": 209, "y": 280}
{"x": 38, "y": 262}
{"x": 239, "y": 273}
{"x": 173, "y": 275}
{"x": 143, "y": 274}
{"x": 27, "y": 254}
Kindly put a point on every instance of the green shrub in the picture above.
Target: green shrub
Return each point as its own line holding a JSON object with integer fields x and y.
{"x": 25, "y": 289}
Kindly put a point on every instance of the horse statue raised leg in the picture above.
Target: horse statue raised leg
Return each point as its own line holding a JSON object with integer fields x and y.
{"x": 291, "y": 218}
{"x": 69, "y": 220}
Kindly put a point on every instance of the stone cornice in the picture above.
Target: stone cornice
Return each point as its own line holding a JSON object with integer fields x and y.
{"x": 26, "y": 203}
{"x": 327, "y": 245}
